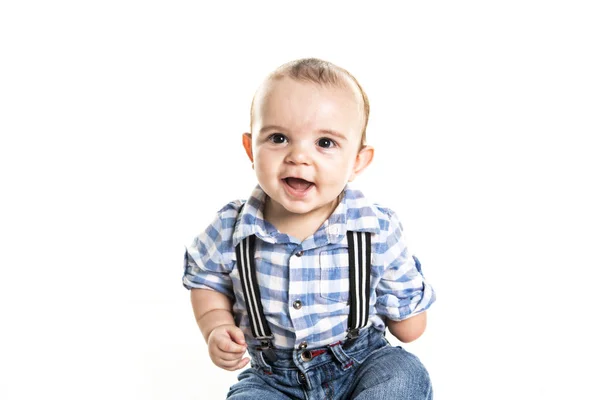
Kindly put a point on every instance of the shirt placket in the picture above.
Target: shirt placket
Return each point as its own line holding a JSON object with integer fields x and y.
{"x": 297, "y": 300}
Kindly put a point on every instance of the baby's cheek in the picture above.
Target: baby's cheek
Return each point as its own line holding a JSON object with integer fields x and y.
{"x": 337, "y": 173}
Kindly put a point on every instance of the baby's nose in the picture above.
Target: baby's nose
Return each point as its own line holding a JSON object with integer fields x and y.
{"x": 298, "y": 154}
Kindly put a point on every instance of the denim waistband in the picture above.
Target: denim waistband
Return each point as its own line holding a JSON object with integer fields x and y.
{"x": 343, "y": 353}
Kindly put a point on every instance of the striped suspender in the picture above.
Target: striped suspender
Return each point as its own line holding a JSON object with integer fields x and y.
{"x": 247, "y": 268}
{"x": 359, "y": 253}
{"x": 258, "y": 323}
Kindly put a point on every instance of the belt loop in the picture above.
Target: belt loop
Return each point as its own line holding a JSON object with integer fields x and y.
{"x": 258, "y": 357}
{"x": 341, "y": 356}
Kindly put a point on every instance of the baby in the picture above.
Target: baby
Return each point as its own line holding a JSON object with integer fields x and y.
{"x": 306, "y": 274}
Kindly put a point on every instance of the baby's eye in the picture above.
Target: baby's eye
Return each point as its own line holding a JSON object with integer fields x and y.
{"x": 277, "y": 138}
{"x": 326, "y": 143}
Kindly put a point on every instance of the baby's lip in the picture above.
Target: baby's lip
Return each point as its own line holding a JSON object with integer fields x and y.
{"x": 297, "y": 177}
{"x": 297, "y": 186}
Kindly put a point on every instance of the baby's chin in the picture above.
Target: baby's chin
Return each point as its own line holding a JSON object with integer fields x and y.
{"x": 297, "y": 208}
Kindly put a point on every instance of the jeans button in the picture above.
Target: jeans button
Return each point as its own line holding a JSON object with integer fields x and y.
{"x": 306, "y": 355}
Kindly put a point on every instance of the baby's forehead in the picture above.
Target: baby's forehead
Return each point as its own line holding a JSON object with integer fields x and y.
{"x": 342, "y": 82}
{"x": 290, "y": 85}
{"x": 338, "y": 110}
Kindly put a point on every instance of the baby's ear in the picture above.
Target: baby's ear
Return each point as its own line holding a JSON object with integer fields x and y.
{"x": 247, "y": 142}
{"x": 363, "y": 159}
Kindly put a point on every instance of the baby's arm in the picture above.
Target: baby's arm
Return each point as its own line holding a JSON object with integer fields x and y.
{"x": 409, "y": 329}
{"x": 226, "y": 344}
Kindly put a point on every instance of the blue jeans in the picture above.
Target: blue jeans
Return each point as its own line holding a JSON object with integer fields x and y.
{"x": 369, "y": 368}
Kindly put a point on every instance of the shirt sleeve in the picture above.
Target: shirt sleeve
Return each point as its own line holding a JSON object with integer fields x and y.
{"x": 402, "y": 291}
{"x": 207, "y": 261}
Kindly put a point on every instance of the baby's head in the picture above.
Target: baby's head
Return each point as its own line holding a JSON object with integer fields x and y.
{"x": 307, "y": 136}
{"x": 319, "y": 72}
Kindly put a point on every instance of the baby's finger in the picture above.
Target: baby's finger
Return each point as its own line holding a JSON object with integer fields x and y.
{"x": 243, "y": 362}
{"x": 231, "y": 356}
{"x": 230, "y": 347}
{"x": 234, "y": 364}
{"x": 237, "y": 336}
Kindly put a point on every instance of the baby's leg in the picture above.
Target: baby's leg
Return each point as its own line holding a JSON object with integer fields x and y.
{"x": 251, "y": 386}
{"x": 392, "y": 373}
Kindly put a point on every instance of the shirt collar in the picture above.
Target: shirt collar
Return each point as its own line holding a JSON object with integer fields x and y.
{"x": 251, "y": 221}
{"x": 354, "y": 213}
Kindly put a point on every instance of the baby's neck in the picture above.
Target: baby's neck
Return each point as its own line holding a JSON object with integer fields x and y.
{"x": 299, "y": 226}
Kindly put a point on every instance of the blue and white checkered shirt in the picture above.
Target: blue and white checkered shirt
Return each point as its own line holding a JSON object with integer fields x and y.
{"x": 315, "y": 271}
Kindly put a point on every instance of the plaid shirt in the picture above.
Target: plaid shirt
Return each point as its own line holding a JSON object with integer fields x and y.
{"x": 314, "y": 271}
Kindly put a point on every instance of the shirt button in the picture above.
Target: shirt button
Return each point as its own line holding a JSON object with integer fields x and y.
{"x": 303, "y": 345}
{"x": 297, "y": 304}
{"x": 299, "y": 254}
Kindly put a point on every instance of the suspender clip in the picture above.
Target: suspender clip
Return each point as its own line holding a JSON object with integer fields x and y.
{"x": 353, "y": 333}
{"x": 266, "y": 346}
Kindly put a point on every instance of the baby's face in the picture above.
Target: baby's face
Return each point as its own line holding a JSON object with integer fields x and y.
{"x": 305, "y": 141}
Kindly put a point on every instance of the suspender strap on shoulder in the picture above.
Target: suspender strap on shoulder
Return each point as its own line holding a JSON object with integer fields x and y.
{"x": 244, "y": 252}
{"x": 359, "y": 253}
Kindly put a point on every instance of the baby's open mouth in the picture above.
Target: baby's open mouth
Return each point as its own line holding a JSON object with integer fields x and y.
{"x": 298, "y": 183}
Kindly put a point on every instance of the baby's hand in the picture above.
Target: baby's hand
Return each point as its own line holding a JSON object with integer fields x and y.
{"x": 226, "y": 347}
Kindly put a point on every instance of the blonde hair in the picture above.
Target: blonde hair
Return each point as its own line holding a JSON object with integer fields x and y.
{"x": 322, "y": 73}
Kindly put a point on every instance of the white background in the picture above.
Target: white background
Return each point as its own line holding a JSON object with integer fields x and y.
{"x": 121, "y": 127}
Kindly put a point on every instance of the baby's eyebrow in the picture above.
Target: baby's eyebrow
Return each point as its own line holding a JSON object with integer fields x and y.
{"x": 332, "y": 133}
{"x": 268, "y": 128}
